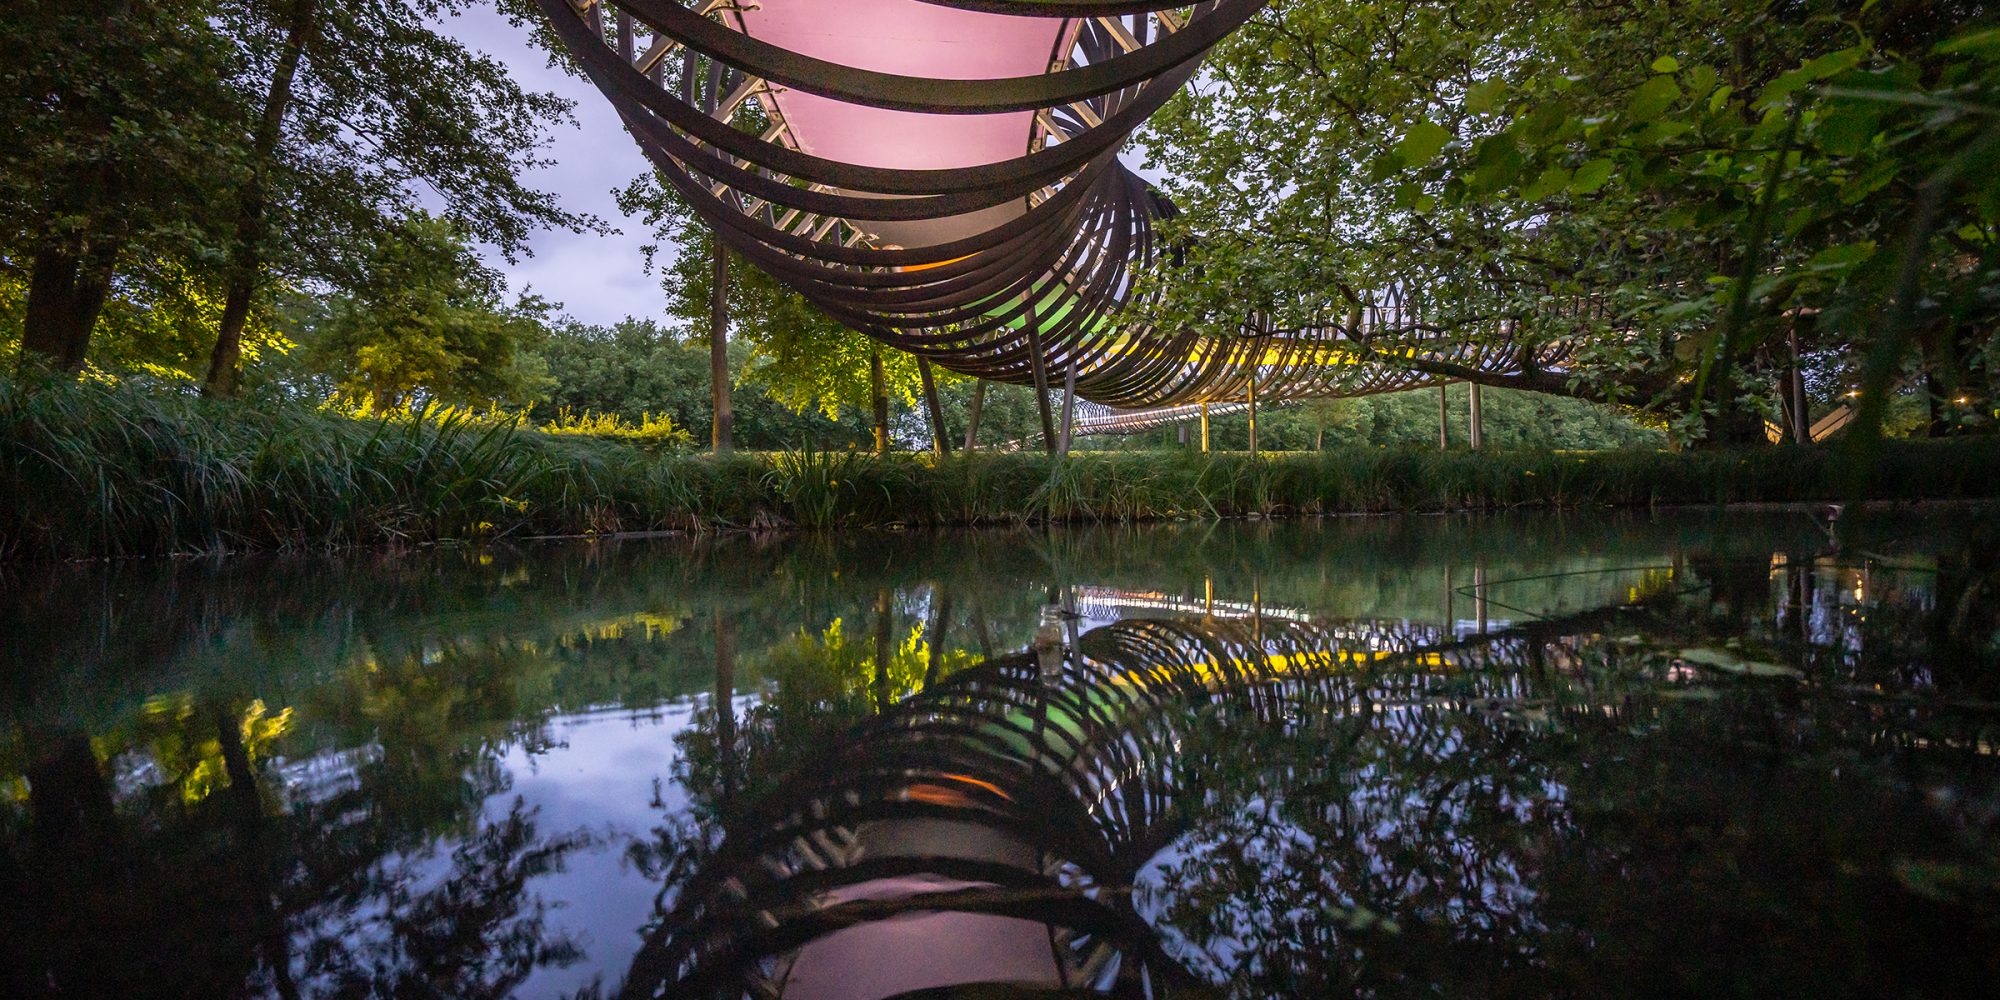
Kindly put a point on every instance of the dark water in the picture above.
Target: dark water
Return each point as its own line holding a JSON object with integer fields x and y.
{"x": 1727, "y": 755}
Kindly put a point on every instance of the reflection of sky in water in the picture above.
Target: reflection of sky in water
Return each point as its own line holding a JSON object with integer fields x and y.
{"x": 598, "y": 778}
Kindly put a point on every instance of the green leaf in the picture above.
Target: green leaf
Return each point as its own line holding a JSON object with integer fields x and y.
{"x": 1653, "y": 97}
{"x": 1869, "y": 181}
{"x": 1551, "y": 180}
{"x": 1423, "y": 142}
{"x": 1485, "y": 96}
{"x": 1844, "y": 257}
{"x": 1847, "y": 127}
{"x": 1768, "y": 285}
{"x": 1982, "y": 42}
{"x": 1684, "y": 309}
{"x": 1814, "y": 70}
{"x": 1666, "y": 64}
{"x": 1724, "y": 661}
{"x": 1699, "y": 79}
{"x": 1661, "y": 131}
{"x": 1593, "y": 175}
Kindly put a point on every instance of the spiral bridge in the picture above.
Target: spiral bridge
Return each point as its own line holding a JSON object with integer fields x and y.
{"x": 943, "y": 176}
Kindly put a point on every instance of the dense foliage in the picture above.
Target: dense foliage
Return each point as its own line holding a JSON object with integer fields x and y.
{"x": 1674, "y": 192}
{"x": 208, "y": 160}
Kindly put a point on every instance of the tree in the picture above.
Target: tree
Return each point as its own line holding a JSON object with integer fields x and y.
{"x": 426, "y": 323}
{"x": 121, "y": 138}
{"x": 802, "y": 357}
{"x": 1669, "y": 192}
{"x": 636, "y": 369}
{"x": 360, "y": 105}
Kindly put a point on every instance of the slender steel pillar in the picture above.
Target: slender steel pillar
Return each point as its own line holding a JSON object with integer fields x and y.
{"x": 1069, "y": 407}
{"x": 1041, "y": 371}
{"x": 1204, "y": 428}
{"x": 1253, "y": 412}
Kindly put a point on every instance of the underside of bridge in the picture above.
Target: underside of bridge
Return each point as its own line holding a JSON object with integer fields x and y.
{"x": 944, "y": 176}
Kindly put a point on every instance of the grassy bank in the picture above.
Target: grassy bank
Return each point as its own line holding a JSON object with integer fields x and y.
{"x": 91, "y": 471}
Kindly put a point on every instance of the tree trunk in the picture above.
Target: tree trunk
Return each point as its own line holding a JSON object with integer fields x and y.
{"x": 69, "y": 799}
{"x": 1475, "y": 430}
{"x": 940, "y": 439}
{"x": 246, "y": 258}
{"x": 884, "y": 650}
{"x": 940, "y": 620}
{"x": 879, "y": 392}
{"x": 725, "y": 704}
{"x": 1444, "y": 419}
{"x": 724, "y": 436}
{"x": 1732, "y": 426}
{"x": 66, "y": 292}
{"x": 1797, "y": 403}
{"x": 972, "y": 416}
{"x": 1937, "y": 425}
{"x": 248, "y": 802}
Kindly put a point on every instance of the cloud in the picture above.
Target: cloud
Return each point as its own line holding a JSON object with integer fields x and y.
{"x": 598, "y": 279}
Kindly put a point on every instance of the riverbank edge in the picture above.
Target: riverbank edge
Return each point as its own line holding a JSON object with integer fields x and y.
{"x": 87, "y": 475}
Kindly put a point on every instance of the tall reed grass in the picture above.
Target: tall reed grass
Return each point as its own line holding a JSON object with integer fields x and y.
{"x": 91, "y": 470}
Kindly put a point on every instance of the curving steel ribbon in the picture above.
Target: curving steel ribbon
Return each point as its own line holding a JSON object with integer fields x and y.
{"x": 942, "y": 175}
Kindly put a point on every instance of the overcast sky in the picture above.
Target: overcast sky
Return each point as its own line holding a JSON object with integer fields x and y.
{"x": 598, "y": 279}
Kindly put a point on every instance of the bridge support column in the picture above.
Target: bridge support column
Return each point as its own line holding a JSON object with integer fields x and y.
{"x": 1204, "y": 428}
{"x": 1041, "y": 370}
{"x": 1252, "y": 397}
{"x": 1476, "y": 431}
{"x": 1069, "y": 408}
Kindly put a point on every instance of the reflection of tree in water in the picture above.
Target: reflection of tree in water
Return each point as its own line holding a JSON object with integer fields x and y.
{"x": 1273, "y": 809}
{"x": 475, "y": 933}
{"x": 197, "y": 872}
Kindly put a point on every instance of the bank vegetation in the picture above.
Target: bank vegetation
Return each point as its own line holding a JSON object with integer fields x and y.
{"x": 93, "y": 471}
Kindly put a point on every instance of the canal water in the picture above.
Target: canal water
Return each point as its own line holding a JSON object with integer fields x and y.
{"x": 1700, "y": 753}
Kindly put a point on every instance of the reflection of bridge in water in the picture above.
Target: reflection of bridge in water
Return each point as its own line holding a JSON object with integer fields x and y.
{"x": 989, "y": 829}
{"x": 1456, "y": 594}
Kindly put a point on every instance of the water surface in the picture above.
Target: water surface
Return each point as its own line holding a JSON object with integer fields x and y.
{"x": 1442, "y": 756}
